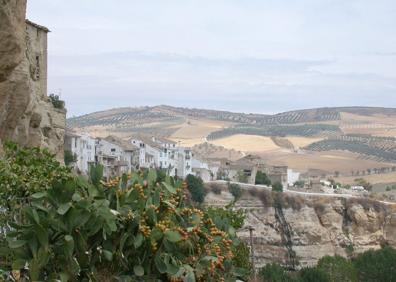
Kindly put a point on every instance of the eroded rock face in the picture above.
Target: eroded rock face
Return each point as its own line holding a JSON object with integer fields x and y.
{"x": 319, "y": 227}
{"x": 26, "y": 114}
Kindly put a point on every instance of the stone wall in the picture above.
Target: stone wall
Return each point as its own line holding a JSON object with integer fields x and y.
{"x": 308, "y": 228}
{"x": 26, "y": 114}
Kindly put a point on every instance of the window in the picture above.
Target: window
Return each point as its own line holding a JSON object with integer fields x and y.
{"x": 37, "y": 73}
{"x": 112, "y": 150}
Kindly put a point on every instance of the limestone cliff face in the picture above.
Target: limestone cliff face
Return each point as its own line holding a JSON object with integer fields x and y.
{"x": 26, "y": 114}
{"x": 303, "y": 230}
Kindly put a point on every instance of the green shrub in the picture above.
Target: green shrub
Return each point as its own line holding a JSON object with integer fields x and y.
{"x": 262, "y": 178}
{"x": 313, "y": 274}
{"x": 56, "y": 101}
{"x": 196, "y": 188}
{"x": 277, "y": 187}
{"x": 379, "y": 265}
{"x": 131, "y": 228}
{"x": 215, "y": 188}
{"x": 23, "y": 172}
{"x": 338, "y": 268}
{"x": 69, "y": 157}
{"x": 274, "y": 273}
{"x": 235, "y": 190}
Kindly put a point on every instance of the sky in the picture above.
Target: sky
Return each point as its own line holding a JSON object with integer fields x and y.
{"x": 253, "y": 56}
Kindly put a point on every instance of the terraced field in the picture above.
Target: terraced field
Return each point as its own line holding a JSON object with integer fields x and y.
{"x": 278, "y": 130}
{"x": 380, "y": 148}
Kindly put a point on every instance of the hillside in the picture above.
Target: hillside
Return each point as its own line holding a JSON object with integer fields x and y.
{"x": 329, "y": 139}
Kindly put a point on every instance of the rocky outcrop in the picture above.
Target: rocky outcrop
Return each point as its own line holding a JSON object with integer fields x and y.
{"x": 27, "y": 116}
{"x": 302, "y": 230}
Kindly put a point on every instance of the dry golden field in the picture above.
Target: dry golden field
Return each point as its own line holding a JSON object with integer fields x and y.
{"x": 372, "y": 178}
{"x": 247, "y": 143}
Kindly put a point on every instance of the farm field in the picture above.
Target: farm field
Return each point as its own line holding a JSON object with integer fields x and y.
{"x": 247, "y": 143}
{"x": 372, "y": 178}
{"x": 329, "y": 161}
{"x": 194, "y": 131}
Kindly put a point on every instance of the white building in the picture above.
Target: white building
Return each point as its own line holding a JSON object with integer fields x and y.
{"x": 82, "y": 147}
{"x": 113, "y": 157}
{"x": 292, "y": 177}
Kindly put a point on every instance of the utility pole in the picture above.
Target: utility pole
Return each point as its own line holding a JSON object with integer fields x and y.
{"x": 251, "y": 229}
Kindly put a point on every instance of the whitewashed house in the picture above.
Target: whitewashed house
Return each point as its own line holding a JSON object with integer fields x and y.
{"x": 113, "y": 158}
{"x": 82, "y": 147}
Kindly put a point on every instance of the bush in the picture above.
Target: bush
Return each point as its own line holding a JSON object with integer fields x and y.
{"x": 196, "y": 188}
{"x": 215, "y": 188}
{"x": 56, "y": 101}
{"x": 262, "y": 178}
{"x": 313, "y": 274}
{"x": 131, "y": 228}
{"x": 277, "y": 187}
{"x": 274, "y": 273}
{"x": 235, "y": 190}
{"x": 338, "y": 268}
{"x": 379, "y": 265}
{"x": 23, "y": 172}
{"x": 69, "y": 157}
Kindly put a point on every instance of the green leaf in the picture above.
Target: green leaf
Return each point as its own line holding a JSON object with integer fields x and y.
{"x": 69, "y": 245}
{"x": 138, "y": 270}
{"x": 76, "y": 197}
{"x": 39, "y": 195}
{"x": 152, "y": 177}
{"x": 42, "y": 235}
{"x": 63, "y": 208}
{"x": 190, "y": 277}
{"x": 138, "y": 240}
{"x": 108, "y": 255}
{"x": 160, "y": 264}
{"x": 15, "y": 244}
{"x": 18, "y": 264}
{"x": 169, "y": 187}
{"x": 173, "y": 236}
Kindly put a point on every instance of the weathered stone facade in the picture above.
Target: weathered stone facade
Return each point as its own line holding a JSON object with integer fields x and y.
{"x": 27, "y": 116}
{"x": 316, "y": 226}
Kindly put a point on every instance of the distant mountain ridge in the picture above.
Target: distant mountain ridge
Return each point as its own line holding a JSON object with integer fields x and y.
{"x": 142, "y": 115}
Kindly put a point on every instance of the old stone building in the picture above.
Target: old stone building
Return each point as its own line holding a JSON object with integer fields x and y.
{"x": 27, "y": 115}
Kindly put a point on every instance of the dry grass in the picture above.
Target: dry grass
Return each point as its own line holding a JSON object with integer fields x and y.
{"x": 300, "y": 142}
{"x": 373, "y": 178}
{"x": 247, "y": 143}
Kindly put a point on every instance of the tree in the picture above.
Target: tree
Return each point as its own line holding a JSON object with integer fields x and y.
{"x": 196, "y": 188}
{"x": 313, "y": 274}
{"x": 379, "y": 265}
{"x": 338, "y": 268}
{"x": 69, "y": 157}
{"x": 235, "y": 190}
{"x": 262, "y": 178}
{"x": 277, "y": 187}
{"x": 273, "y": 272}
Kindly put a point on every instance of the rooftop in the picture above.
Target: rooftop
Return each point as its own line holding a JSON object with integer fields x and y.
{"x": 43, "y": 28}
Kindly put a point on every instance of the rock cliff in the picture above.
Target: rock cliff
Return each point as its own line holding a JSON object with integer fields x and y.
{"x": 297, "y": 231}
{"x": 27, "y": 116}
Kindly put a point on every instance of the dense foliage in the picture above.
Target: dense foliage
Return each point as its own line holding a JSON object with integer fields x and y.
{"x": 262, "y": 178}
{"x": 196, "y": 188}
{"x": 132, "y": 228}
{"x": 370, "y": 266}
{"x": 235, "y": 190}
{"x": 23, "y": 172}
{"x": 277, "y": 187}
{"x": 69, "y": 157}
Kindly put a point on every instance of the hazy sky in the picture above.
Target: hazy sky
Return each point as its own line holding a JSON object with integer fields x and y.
{"x": 252, "y": 55}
